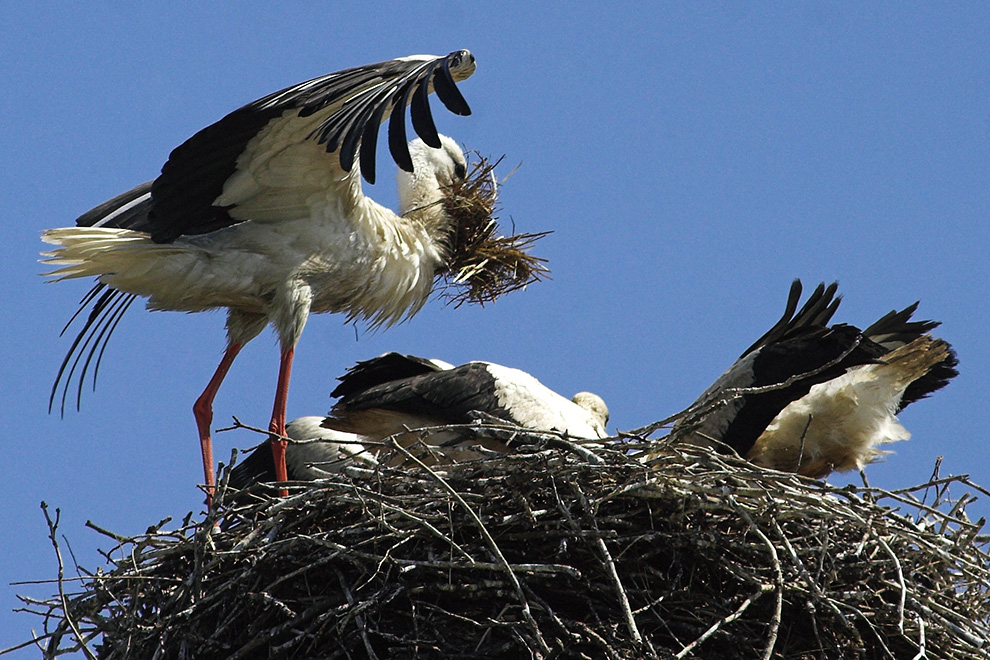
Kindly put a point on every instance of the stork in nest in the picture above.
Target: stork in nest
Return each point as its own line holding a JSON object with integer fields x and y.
{"x": 813, "y": 398}
{"x": 262, "y": 213}
{"x": 415, "y": 400}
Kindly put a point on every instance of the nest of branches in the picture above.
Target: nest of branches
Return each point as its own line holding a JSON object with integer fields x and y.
{"x": 483, "y": 265}
{"x": 556, "y": 551}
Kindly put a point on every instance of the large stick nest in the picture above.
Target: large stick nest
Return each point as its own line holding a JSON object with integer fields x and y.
{"x": 552, "y": 552}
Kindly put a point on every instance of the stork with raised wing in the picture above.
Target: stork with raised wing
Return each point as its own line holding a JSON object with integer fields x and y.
{"x": 813, "y": 398}
{"x": 262, "y": 213}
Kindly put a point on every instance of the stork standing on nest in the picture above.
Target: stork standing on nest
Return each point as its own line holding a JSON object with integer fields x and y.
{"x": 811, "y": 398}
{"x": 262, "y": 213}
{"x": 396, "y": 395}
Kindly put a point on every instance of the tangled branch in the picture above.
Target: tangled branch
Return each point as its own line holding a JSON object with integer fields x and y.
{"x": 543, "y": 553}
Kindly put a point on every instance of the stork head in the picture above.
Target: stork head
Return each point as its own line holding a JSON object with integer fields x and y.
{"x": 595, "y": 406}
{"x": 433, "y": 170}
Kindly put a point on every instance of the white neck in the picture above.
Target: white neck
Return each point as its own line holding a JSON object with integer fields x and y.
{"x": 421, "y": 191}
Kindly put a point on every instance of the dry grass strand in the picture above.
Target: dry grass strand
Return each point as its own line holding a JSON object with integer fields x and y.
{"x": 483, "y": 265}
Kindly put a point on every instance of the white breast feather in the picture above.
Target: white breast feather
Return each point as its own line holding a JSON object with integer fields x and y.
{"x": 536, "y": 406}
{"x": 323, "y": 452}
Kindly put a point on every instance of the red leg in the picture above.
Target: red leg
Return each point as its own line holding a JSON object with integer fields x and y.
{"x": 277, "y": 425}
{"x": 203, "y": 412}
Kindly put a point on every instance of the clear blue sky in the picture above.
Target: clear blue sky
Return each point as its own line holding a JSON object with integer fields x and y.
{"x": 691, "y": 160}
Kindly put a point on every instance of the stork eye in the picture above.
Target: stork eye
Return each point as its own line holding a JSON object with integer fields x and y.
{"x": 460, "y": 171}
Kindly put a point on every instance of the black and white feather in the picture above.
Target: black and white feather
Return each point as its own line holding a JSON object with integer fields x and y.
{"x": 812, "y": 398}
{"x": 397, "y": 395}
{"x": 262, "y": 213}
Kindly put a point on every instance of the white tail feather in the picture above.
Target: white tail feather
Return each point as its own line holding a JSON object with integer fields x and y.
{"x": 839, "y": 424}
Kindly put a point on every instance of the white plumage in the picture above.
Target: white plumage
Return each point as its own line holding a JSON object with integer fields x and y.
{"x": 531, "y": 404}
{"x": 841, "y": 424}
{"x": 263, "y": 213}
{"x": 319, "y": 452}
{"x": 812, "y": 398}
{"x": 337, "y": 252}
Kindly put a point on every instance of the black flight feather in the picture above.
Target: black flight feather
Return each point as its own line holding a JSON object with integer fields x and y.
{"x": 378, "y": 370}
{"x": 355, "y": 100}
{"x": 446, "y": 89}
{"x": 419, "y": 110}
{"x": 798, "y": 352}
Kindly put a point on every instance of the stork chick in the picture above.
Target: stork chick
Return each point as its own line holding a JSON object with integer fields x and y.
{"x": 398, "y": 396}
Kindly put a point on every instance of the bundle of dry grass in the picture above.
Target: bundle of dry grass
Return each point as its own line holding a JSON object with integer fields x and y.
{"x": 550, "y": 553}
{"x": 484, "y": 265}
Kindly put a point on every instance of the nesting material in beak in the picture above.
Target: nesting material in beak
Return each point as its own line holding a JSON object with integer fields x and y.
{"x": 482, "y": 264}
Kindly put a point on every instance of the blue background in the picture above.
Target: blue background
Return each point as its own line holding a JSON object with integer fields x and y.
{"x": 691, "y": 159}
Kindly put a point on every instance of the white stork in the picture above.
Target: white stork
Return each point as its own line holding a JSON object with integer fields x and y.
{"x": 262, "y": 213}
{"x": 395, "y": 395}
{"x": 812, "y": 398}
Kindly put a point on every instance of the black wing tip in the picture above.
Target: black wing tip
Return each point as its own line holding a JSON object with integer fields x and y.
{"x": 384, "y": 368}
{"x": 368, "y": 91}
{"x": 443, "y": 73}
{"x": 817, "y": 310}
{"x": 446, "y": 86}
{"x": 398, "y": 145}
{"x": 897, "y": 327}
{"x": 420, "y": 113}
{"x": 821, "y": 307}
{"x": 937, "y": 377}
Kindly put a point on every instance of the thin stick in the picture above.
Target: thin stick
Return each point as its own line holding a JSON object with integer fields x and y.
{"x": 779, "y": 573}
{"x": 687, "y": 650}
{"x": 489, "y": 540}
{"x": 613, "y": 574}
{"x": 52, "y": 530}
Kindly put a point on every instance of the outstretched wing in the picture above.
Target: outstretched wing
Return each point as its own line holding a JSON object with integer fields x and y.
{"x": 761, "y": 384}
{"x": 342, "y": 111}
{"x": 798, "y": 352}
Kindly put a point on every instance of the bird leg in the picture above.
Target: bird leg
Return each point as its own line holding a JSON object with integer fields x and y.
{"x": 203, "y": 412}
{"x": 277, "y": 426}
